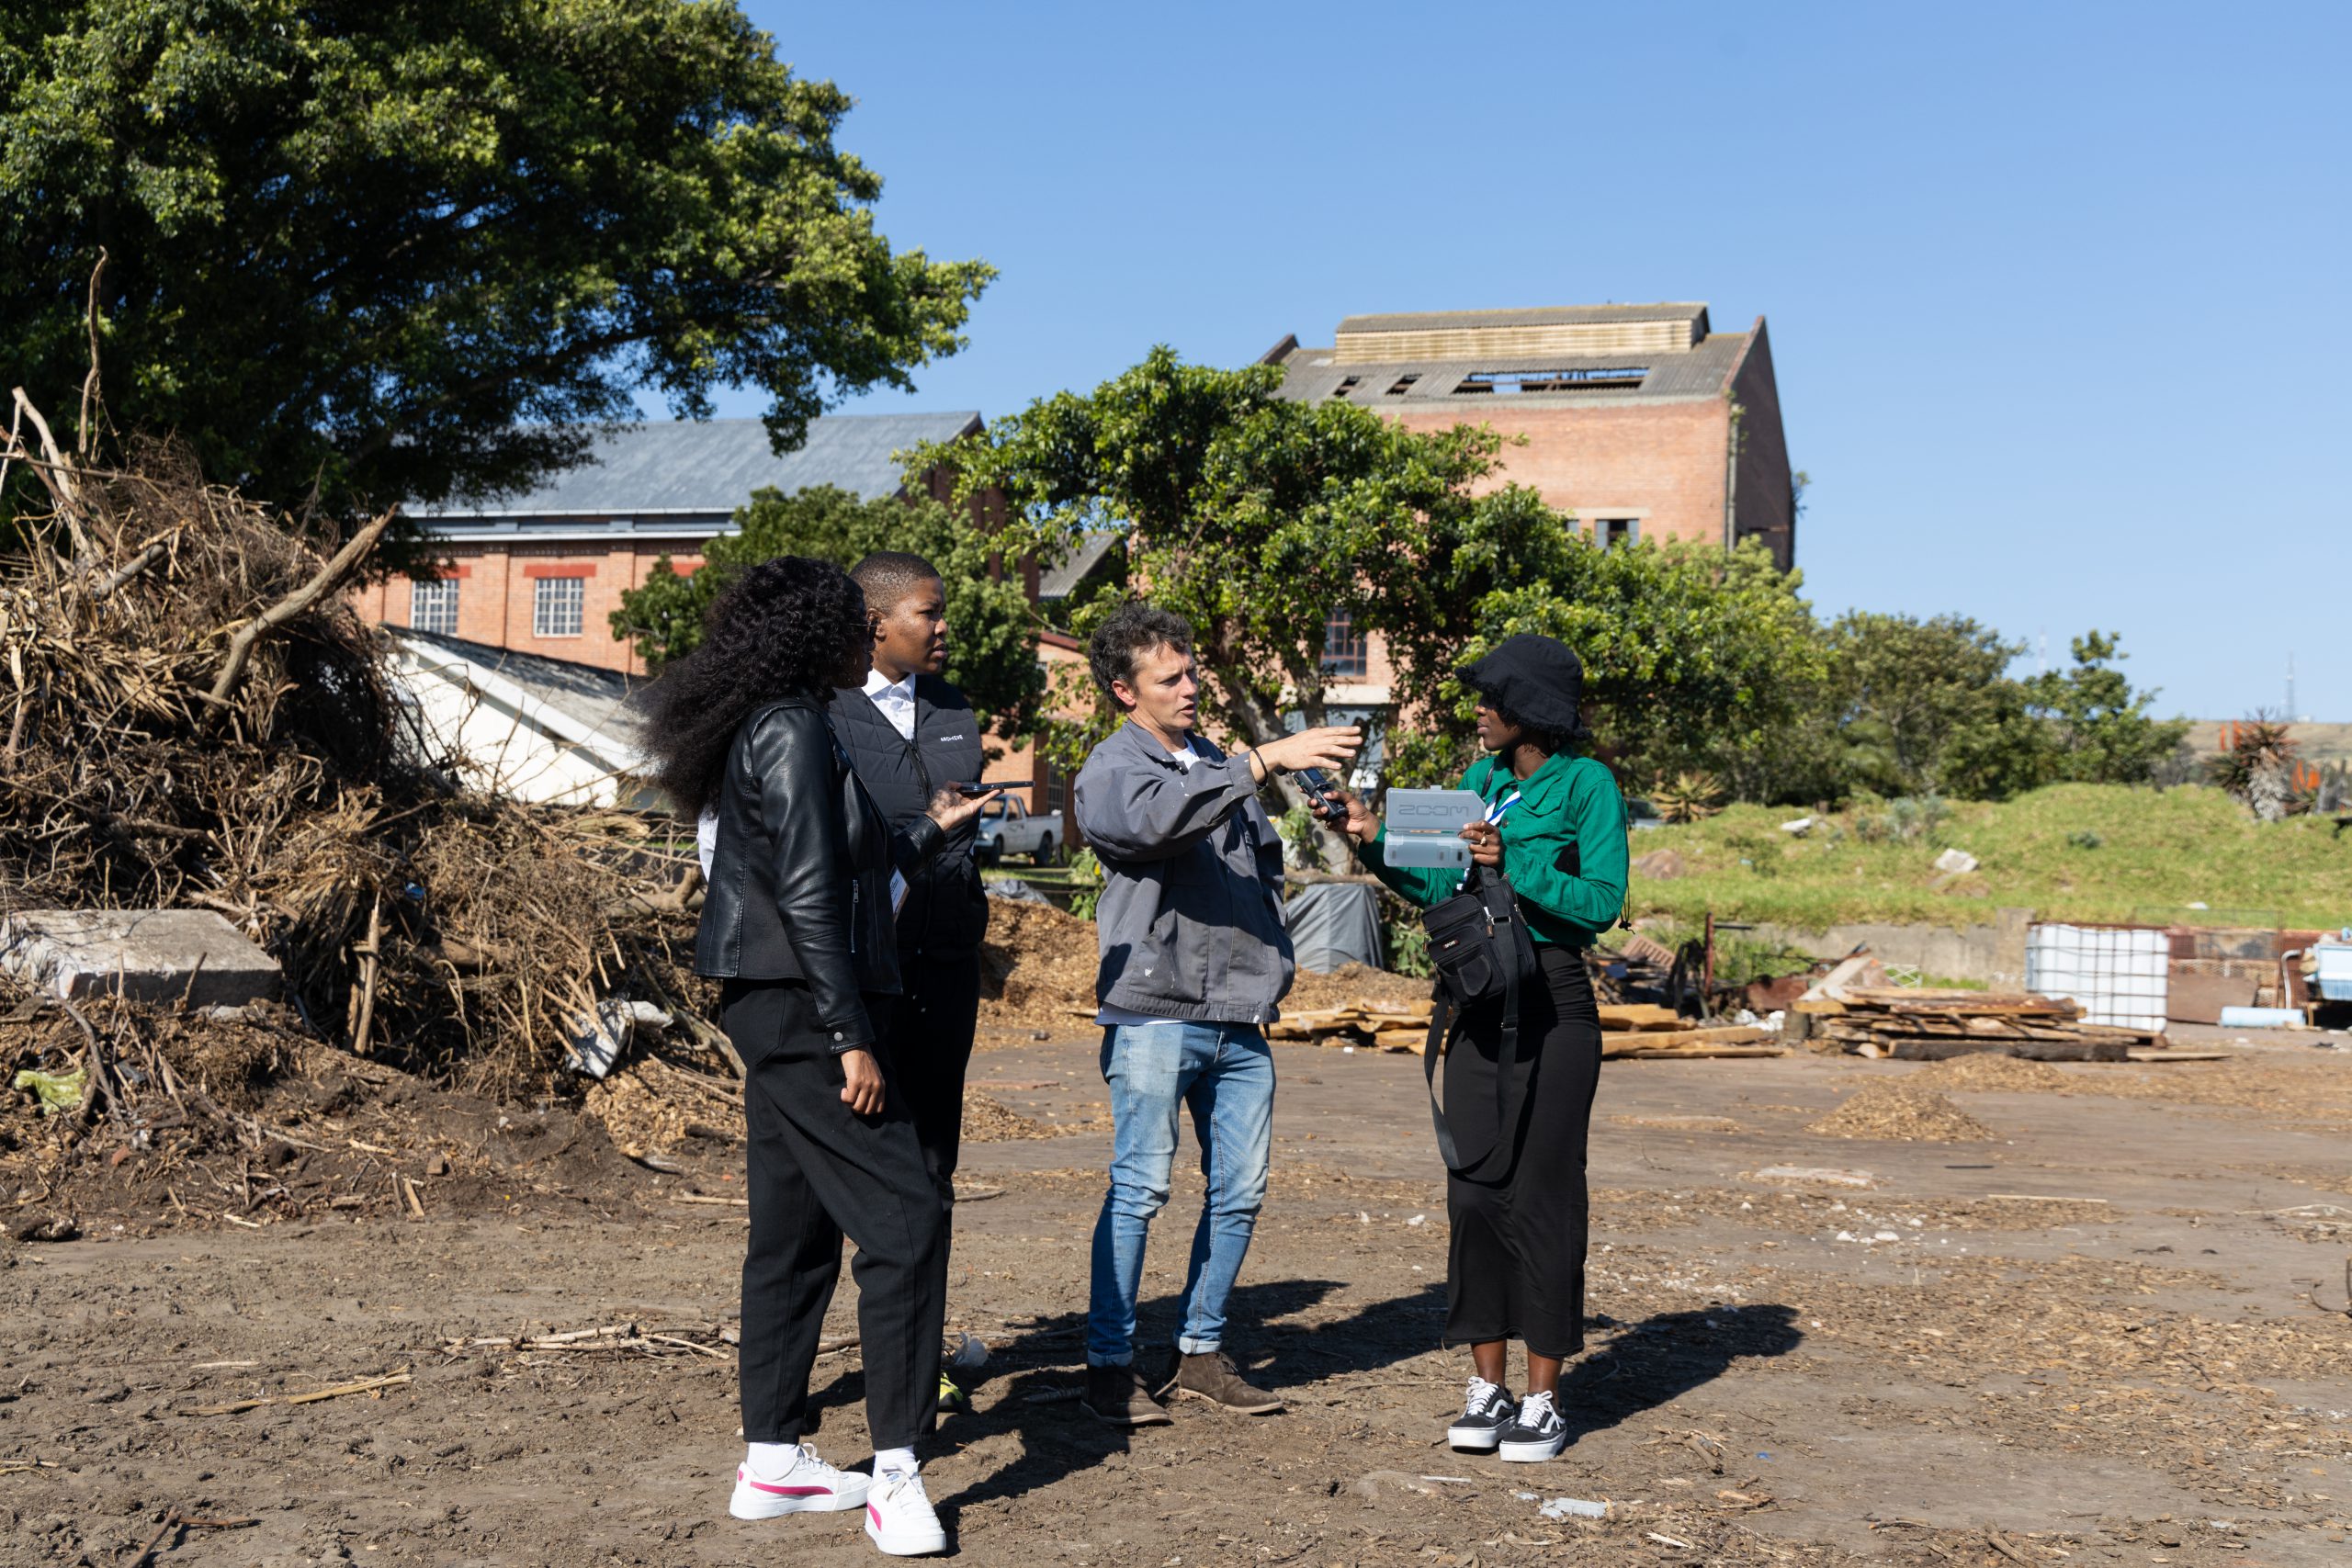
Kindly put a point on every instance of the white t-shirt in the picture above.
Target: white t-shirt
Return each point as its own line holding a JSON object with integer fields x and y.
{"x": 1127, "y": 1018}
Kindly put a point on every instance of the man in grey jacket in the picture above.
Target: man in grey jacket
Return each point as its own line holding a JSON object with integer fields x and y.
{"x": 1194, "y": 961}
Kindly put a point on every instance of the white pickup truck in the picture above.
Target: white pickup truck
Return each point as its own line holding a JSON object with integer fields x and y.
{"x": 1008, "y": 828}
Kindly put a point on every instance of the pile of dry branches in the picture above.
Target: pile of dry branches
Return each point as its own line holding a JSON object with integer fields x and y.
{"x": 194, "y": 715}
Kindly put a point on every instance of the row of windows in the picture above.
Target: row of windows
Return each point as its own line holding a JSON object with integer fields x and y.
{"x": 558, "y": 606}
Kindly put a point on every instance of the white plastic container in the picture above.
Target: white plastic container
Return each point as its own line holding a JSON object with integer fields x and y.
{"x": 2120, "y": 974}
{"x": 2334, "y": 955}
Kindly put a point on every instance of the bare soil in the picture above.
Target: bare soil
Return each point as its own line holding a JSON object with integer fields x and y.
{"x": 2096, "y": 1336}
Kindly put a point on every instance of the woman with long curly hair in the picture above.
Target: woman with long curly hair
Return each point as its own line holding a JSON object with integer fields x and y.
{"x": 798, "y": 921}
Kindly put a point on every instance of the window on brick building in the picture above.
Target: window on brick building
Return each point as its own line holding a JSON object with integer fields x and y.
{"x": 433, "y": 606}
{"x": 1610, "y": 532}
{"x": 1347, "y": 650}
{"x": 1577, "y": 380}
{"x": 557, "y": 604}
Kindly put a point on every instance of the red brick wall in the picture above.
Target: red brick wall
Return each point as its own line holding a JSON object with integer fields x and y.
{"x": 1664, "y": 461}
{"x": 495, "y": 593}
{"x": 1763, "y": 500}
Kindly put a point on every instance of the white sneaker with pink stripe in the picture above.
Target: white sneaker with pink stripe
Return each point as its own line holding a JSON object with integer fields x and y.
{"x": 898, "y": 1516}
{"x": 807, "y": 1485}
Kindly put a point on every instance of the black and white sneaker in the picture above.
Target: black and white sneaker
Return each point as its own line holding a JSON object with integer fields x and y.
{"x": 1485, "y": 1414}
{"x": 1538, "y": 1433}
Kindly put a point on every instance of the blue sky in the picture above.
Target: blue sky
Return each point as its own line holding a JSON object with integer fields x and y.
{"x": 2054, "y": 290}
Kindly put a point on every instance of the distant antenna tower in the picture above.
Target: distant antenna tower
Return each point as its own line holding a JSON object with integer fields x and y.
{"x": 2045, "y": 651}
{"x": 2291, "y": 682}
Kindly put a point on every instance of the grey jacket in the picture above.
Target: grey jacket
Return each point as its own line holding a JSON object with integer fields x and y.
{"x": 1191, "y": 920}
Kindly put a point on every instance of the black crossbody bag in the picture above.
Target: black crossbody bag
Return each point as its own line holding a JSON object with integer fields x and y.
{"x": 1479, "y": 946}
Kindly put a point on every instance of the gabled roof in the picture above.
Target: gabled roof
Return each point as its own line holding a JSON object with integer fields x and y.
{"x": 1057, "y": 582}
{"x": 1704, "y": 370}
{"x": 704, "y": 469}
{"x": 584, "y": 705}
{"x": 1694, "y": 312}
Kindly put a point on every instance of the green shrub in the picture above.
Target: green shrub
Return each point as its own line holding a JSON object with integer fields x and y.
{"x": 1085, "y": 884}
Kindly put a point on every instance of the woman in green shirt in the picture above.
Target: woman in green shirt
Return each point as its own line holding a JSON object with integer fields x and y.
{"x": 1556, "y": 826}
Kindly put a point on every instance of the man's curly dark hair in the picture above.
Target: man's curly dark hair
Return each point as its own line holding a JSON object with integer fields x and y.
{"x": 783, "y": 629}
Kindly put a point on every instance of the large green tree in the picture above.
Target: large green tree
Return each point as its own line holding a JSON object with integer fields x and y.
{"x": 381, "y": 250}
{"x": 1256, "y": 518}
{"x": 1694, "y": 658}
{"x": 2096, "y": 724}
{"x": 991, "y": 635}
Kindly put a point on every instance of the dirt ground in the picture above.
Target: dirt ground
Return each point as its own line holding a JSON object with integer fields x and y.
{"x": 2096, "y": 1335}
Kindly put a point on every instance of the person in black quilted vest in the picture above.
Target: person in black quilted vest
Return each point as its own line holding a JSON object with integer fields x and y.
{"x": 911, "y": 734}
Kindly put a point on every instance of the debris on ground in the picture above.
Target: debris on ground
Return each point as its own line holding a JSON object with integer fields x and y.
{"x": 1993, "y": 1072}
{"x": 1038, "y": 970}
{"x": 1925, "y": 1024}
{"x": 1887, "y": 1109}
{"x": 198, "y": 723}
{"x": 988, "y": 1121}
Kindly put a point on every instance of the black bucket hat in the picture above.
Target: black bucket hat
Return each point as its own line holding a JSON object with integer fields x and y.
{"x": 1537, "y": 678}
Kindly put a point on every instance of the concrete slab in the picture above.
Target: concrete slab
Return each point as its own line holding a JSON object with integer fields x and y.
{"x": 152, "y": 955}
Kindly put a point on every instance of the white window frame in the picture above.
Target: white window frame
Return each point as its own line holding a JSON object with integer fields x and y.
{"x": 1602, "y": 527}
{"x": 433, "y": 604}
{"x": 556, "y": 600}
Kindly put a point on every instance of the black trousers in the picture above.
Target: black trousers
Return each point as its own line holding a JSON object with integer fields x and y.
{"x": 1515, "y": 1270}
{"x": 930, "y": 1043}
{"x": 817, "y": 1172}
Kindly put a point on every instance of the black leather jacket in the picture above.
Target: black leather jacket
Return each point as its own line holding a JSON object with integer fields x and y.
{"x": 800, "y": 883}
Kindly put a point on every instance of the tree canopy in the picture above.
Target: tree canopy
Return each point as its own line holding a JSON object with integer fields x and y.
{"x": 1256, "y": 518}
{"x": 989, "y": 627}
{"x": 382, "y": 250}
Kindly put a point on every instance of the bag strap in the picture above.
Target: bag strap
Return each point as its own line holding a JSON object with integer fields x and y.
{"x": 1441, "y": 1028}
{"x": 1443, "y": 1016}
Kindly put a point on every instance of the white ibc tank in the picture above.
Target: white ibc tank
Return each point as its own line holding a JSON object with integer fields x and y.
{"x": 2120, "y": 974}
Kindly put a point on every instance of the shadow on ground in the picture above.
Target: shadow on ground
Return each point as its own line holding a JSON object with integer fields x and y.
{"x": 1646, "y": 1365}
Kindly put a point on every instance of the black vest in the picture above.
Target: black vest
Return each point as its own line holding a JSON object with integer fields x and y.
{"x": 946, "y": 911}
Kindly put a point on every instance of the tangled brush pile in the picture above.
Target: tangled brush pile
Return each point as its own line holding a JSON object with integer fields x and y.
{"x": 193, "y": 715}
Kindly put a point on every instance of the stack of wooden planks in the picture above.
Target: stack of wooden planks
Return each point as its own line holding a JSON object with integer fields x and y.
{"x": 1383, "y": 1025}
{"x": 1628, "y": 1030}
{"x": 1923, "y": 1024}
{"x": 1640, "y": 1030}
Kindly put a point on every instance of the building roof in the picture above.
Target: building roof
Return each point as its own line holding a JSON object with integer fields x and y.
{"x": 1702, "y": 370}
{"x": 601, "y": 703}
{"x": 1059, "y": 582}
{"x": 695, "y": 473}
{"x": 1688, "y": 311}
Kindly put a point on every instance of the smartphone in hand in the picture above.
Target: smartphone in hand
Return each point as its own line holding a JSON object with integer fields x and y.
{"x": 991, "y": 785}
{"x": 1322, "y": 798}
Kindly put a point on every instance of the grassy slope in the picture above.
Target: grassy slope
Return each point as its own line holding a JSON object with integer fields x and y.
{"x": 2160, "y": 852}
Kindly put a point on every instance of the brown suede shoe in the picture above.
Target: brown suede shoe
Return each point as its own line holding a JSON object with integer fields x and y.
{"x": 1117, "y": 1395}
{"x": 1213, "y": 1376}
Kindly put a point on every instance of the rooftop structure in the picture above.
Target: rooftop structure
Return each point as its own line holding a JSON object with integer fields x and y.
{"x": 1639, "y": 421}
{"x": 685, "y": 479}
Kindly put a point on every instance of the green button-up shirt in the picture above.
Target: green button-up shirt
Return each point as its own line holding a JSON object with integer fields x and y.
{"x": 1563, "y": 849}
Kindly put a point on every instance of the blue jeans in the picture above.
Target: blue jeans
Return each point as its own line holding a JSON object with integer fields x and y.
{"x": 1226, "y": 1074}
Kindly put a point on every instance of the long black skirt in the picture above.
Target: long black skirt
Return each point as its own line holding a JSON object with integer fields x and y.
{"x": 1516, "y": 1267}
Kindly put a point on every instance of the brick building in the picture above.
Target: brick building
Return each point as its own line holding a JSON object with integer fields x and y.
{"x": 542, "y": 573}
{"x": 1640, "y": 421}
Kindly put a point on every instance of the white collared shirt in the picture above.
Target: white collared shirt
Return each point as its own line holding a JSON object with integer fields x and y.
{"x": 896, "y": 699}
